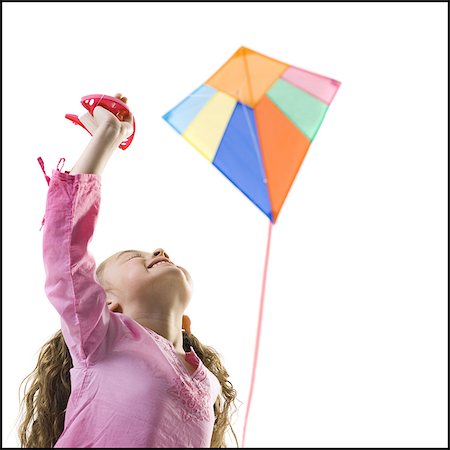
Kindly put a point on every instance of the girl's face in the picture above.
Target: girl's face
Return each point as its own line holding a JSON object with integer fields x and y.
{"x": 147, "y": 278}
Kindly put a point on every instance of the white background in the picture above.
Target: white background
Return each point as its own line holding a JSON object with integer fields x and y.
{"x": 353, "y": 350}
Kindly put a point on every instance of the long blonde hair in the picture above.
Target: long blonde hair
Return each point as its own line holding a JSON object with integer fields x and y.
{"x": 44, "y": 403}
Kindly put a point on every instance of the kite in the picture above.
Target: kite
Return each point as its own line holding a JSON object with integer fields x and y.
{"x": 254, "y": 120}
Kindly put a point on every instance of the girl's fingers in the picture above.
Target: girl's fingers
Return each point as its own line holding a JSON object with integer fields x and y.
{"x": 128, "y": 117}
{"x": 121, "y": 97}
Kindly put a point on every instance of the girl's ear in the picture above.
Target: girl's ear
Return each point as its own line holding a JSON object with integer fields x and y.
{"x": 114, "y": 306}
{"x": 186, "y": 324}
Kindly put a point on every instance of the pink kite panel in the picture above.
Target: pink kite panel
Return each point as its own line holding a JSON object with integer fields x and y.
{"x": 321, "y": 87}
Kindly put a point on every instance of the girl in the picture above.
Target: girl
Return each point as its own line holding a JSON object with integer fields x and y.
{"x": 125, "y": 369}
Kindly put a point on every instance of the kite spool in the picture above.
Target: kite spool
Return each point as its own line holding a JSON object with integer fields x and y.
{"x": 113, "y": 105}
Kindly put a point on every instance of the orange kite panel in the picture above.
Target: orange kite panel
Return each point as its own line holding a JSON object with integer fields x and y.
{"x": 247, "y": 75}
{"x": 283, "y": 148}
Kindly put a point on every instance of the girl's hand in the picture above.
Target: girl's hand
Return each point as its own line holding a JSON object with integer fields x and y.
{"x": 107, "y": 134}
{"x": 103, "y": 118}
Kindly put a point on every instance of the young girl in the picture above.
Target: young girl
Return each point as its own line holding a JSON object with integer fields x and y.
{"x": 125, "y": 369}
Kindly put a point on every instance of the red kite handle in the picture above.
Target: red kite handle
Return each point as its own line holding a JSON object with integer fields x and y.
{"x": 114, "y": 106}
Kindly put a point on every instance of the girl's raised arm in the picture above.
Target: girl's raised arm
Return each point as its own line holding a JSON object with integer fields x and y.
{"x": 72, "y": 206}
{"x": 106, "y": 138}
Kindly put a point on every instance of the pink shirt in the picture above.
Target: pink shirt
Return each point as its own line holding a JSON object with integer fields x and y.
{"x": 129, "y": 387}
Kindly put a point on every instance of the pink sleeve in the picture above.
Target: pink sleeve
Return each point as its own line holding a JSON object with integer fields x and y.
{"x": 71, "y": 213}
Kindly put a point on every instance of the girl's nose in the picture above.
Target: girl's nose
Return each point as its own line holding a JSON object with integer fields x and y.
{"x": 160, "y": 252}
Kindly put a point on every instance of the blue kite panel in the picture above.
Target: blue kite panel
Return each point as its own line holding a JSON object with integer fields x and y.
{"x": 239, "y": 158}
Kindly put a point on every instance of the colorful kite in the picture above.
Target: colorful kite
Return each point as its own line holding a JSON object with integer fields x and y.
{"x": 254, "y": 120}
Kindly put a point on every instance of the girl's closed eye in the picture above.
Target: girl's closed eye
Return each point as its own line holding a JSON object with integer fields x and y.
{"x": 136, "y": 255}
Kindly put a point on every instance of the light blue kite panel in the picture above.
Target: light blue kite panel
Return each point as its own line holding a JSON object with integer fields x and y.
{"x": 182, "y": 115}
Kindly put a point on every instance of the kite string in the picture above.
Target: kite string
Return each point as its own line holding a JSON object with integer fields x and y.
{"x": 258, "y": 333}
